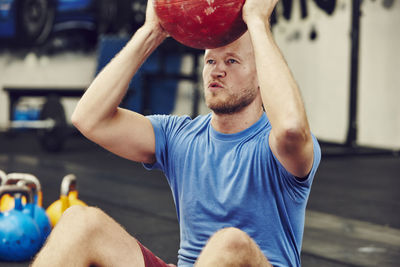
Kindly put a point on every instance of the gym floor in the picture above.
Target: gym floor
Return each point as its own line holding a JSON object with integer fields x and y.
{"x": 352, "y": 219}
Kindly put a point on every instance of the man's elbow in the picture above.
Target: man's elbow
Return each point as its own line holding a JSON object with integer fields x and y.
{"x": 296, "y": 144}
{"x": 80, "y": 123}
{"x": 295, "y": 133}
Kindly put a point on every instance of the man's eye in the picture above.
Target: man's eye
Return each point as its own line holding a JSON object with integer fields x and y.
{"x": 210, "y": 61}
{"x": 231, "y": 61}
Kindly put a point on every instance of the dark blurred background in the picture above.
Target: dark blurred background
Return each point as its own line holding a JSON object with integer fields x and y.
{"x": 60, "y": 24}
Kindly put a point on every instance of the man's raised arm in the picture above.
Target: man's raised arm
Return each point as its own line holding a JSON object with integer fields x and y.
{"x": 290, "y": 137}
{"x": 97, "y": 115}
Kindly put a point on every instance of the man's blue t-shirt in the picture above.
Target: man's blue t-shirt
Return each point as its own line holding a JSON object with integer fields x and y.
{"x": 223, "y": 180}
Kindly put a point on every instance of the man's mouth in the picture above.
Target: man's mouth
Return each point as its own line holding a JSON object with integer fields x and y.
{"x": 215, "y": 85}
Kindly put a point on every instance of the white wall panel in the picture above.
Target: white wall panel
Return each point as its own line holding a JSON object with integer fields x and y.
{"x": 320, "y": 66}
{"x": 379, "y": 94}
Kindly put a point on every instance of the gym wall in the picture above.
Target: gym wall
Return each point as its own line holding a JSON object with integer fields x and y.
{"x": 70, "y": 69}
{"x": 318, "y": 49}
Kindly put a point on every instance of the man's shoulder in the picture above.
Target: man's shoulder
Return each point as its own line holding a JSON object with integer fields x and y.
{"x": 198, "y": 123}
{"x": 179, "y": 122}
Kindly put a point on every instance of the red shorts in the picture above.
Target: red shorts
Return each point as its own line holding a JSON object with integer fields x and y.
{"x": 151, "y": 260}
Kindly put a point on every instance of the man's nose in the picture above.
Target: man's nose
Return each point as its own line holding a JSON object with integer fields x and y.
{"x": 218, "y": 71}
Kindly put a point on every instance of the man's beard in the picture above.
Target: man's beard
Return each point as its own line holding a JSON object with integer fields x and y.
{"x": 233, "y": 103}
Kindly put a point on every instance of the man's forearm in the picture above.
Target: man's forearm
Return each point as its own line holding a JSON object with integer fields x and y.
{"x": 290, "y": 139}
{"x": 279, "y": 91}
{"x": 103, "y": 96}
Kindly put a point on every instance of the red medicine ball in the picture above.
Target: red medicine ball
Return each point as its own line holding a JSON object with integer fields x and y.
{"x": 201, "y": 23}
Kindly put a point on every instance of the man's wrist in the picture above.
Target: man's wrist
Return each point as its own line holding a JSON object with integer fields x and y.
{"x": 155, "y": 31}
{"x": 147, "y": 37}
{"x": 257, "y": 24}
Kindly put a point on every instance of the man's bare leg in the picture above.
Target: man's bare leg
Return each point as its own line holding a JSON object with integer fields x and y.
{"x": 87, "y": 236}
{"x": 231, "y": 247}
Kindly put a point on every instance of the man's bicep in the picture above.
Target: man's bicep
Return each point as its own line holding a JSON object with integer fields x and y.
{"x": 129, "y": 135}
{"x": 296, "y": 157}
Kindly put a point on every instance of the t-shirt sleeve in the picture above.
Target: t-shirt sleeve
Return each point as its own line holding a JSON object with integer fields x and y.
{"x": 299, "y": 189}
{"x": 165, "y": 128}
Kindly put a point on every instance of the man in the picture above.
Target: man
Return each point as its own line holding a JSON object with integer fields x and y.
{"x": 240, "y": 179}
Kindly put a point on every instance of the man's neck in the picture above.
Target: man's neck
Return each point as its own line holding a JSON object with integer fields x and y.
{"x": 236, "y": 122}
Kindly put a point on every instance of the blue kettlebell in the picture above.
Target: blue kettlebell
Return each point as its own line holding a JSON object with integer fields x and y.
{"x": 40, "y": 215}
{"x": 20, "y": 237}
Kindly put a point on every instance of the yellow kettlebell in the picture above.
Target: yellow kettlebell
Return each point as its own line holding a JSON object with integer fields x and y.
{"x": 68, "y": 198}
{"x": 3, "y": 177}
{"x": 7, "y": 201}
{"x": 6, "y": 197}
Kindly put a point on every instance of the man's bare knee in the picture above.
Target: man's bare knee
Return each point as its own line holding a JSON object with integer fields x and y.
{"x": 231, "y": 240}
{"x": 75, "y": 230}
{"x": 93, "y": 237}
{"x": 81, "y": 218}
{"x": 73, "y": 213}
{"x": 79, "y": 224}
{"x": 231, "y": 247}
